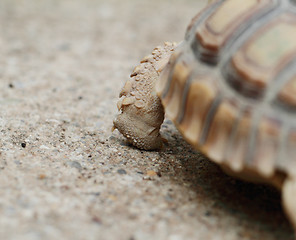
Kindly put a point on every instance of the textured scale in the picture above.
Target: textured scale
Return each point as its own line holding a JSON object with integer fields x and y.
{"x": 230, "y": 88}
{"x": 141, "y": 110}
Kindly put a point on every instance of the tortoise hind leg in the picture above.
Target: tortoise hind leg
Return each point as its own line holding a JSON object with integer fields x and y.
{"x": 141, "y": 113}
{"x": 289, "y": 200}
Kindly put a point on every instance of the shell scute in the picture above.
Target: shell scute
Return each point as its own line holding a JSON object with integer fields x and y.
{"x": 221, "y": 128}
{"x": 200, "y": 96}
{"x": 164, "y": 81}
{"x": 238, "y": 148}
{"x": 271, "y": 48}
{"x": 287, "y": 95}
{"x": 267, "y": 146}
{"x": 224, "y": 22}
{"x": 172, "y": 99}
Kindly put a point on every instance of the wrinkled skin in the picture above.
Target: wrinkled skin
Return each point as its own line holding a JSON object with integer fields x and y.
{"x": 141, "y": 113}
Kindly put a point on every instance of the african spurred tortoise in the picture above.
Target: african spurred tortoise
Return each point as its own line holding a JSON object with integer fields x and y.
{"x": 230, "y": 89}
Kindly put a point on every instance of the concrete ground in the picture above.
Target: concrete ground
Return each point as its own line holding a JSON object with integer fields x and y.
{"x": 64, "y": 174}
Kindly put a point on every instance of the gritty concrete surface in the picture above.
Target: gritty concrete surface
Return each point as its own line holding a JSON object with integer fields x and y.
{"x": 64, "y": 174}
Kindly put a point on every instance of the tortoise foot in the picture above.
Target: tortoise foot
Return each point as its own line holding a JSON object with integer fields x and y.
{"x": 141, "y": 113}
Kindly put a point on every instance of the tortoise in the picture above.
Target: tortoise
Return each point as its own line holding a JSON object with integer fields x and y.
{"x": 230, "y": 89}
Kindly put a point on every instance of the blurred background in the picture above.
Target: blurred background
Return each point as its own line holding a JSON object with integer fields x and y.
{"x": 64, "y": 174}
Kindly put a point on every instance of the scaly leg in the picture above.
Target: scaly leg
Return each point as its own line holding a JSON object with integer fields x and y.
{"x": 141, "y": 113}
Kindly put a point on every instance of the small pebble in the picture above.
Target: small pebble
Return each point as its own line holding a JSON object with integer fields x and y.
{"x": 112, "y": 198}
{"x": 97, "y": 220}
{"x": 208, "y": 213}
{"x": 121, "y": 171}
{"x": 41, "y": 176}
{"x": 23, "y": 145}
{"x": 75, "y": 164}
{"x": 168, "y": 198}
{"x": 151, "y": 173}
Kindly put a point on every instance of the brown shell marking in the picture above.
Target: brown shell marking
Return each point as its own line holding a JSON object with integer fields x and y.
{"x": 198, "y": 16}
{"x": 287, "y": 94}
{"x": 173, "y": 99}
{"x": 200, "y": 97}
{"x": 267, "y": 146}
{"x": 141, "y": 112}
{"x": 238, "y": 149}
{"x": 228, "y": 140}
{"x": 221, "y": 130}
{"x": 187, "y": 95}
{"x": 257, "y": 62}
{"x": 213, "y": 33}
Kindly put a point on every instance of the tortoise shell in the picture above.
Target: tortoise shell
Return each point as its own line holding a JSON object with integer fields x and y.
{"x": 229, "y": 87}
